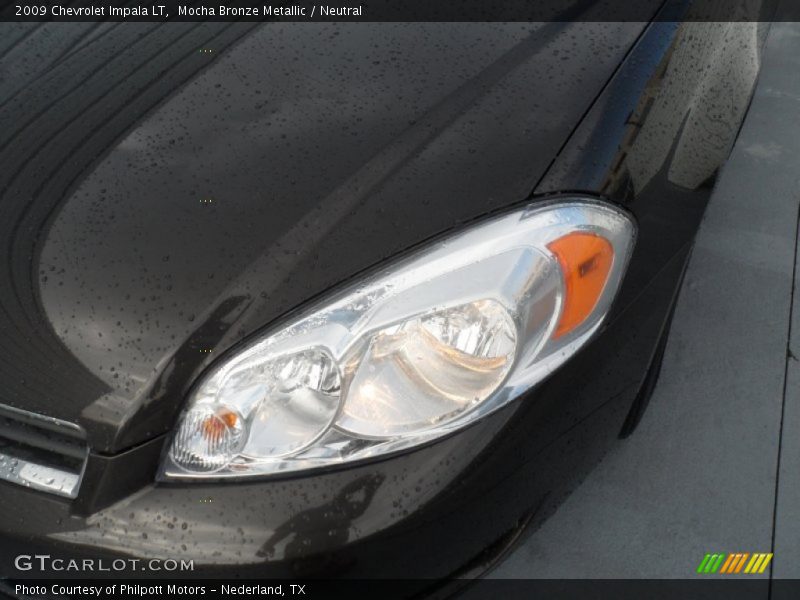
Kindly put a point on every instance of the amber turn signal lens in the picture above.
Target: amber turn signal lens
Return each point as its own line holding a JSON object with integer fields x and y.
{"x": 215, "y": 425}
{"x": 585, "y": 260}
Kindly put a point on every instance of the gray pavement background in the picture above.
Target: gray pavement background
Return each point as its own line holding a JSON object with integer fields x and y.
{"x": 700, "y": 473}
{"x": 787, "y": 519}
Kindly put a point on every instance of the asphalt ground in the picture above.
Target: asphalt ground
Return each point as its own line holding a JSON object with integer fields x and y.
{"x": 715, "y": 463}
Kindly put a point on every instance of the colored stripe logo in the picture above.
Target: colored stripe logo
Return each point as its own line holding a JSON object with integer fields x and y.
{"x": 735, "y": 562}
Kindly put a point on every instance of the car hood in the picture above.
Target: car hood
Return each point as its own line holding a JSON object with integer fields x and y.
{"x": 168, "y": 190}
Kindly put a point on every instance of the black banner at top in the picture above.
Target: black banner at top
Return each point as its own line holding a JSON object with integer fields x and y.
{"x": 392, "y": 10}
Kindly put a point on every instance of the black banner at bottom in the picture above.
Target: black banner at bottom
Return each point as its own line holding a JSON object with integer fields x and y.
{"x": 146, "y": 589}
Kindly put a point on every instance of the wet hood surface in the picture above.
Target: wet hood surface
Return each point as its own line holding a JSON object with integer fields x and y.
{"x": 168, "y": 190}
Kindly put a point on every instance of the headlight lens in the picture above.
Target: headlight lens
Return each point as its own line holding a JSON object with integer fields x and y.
{"x": 419, "y": 349}
{"x": 428, "y": 370}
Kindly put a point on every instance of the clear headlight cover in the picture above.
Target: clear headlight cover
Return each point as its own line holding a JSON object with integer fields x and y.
{"x": 415, "y": 351}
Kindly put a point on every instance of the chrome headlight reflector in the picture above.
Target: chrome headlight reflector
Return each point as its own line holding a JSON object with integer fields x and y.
{"x": 419, "y": 349}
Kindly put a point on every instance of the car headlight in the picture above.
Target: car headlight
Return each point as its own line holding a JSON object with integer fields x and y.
{"x": 421, "y": 348}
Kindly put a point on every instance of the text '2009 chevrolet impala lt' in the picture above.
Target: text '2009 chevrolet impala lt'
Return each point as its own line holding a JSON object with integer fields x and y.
{"x": 350, "y": 299}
